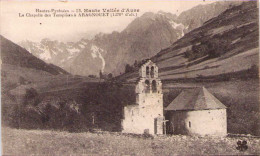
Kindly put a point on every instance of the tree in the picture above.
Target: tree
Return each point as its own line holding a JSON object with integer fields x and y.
{"x": 22, "y": 80}
{"x": 128, "y": 68}
{"x": 216, "y": 47}
{"x": 136, "y": 64}
{"x": 110, "y": 76}
{"x": 92, "y": 76}
{"x": 253, "y": 71}
{"x": 31, "y": 97}
{"x": 100, "y": 74}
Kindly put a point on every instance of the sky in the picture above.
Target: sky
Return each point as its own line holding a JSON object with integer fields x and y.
{"x": 17, "y": 28}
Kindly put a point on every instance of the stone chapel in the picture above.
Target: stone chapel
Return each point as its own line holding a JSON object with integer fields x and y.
{"x": 194, "y": 111}
{"x": 146, "y": 114}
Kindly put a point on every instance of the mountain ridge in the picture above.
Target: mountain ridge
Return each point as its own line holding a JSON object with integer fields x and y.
{"x": 142, "y": 38}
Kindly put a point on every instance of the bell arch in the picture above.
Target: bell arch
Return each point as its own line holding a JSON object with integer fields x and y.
{"x": 154, "y": 86}
{"x": 152, "y": 72}
{"x": 147, "y": 86}
{"x": 147, "y": 71}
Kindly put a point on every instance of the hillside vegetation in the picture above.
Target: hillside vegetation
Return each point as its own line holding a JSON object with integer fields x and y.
{"x": 24, "y": 79}
{"x": 82, "y": 106}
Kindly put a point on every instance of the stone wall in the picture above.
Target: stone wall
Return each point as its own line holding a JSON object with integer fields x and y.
{"x": 199, "y": 122}
{"x": 138, "y": 118}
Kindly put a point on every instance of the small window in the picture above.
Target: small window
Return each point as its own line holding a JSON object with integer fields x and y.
{"x": 189, "y": 124}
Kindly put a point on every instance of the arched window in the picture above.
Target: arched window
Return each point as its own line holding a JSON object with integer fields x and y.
{"x": 152, "y": 71}
{"x": 154, "y": 87}
{"x": 147, "y": 71}
{"x": 147, "y": 86}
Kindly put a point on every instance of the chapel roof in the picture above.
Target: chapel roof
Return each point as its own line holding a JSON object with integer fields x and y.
{"x": 195, "y": 99}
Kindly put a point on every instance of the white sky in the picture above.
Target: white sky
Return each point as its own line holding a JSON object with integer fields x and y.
{"x": 16, "y": 28}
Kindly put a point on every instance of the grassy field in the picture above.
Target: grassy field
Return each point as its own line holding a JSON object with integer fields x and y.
{"x": 40, "y": 142}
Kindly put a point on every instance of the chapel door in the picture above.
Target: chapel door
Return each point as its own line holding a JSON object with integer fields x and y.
{"x": 158, "y": 125}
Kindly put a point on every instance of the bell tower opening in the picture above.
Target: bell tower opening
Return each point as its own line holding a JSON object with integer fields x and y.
{"x": 152, "y": 72}
{"x": 147, "y": 86}
{"x": 147, "y": 71}
{"x": 154, "y": 87}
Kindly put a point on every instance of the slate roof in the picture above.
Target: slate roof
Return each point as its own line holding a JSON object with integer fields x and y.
{"x": 195, "y": 99}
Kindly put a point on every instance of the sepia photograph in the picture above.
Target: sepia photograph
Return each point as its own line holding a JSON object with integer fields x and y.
{"x": 130, "y": 77}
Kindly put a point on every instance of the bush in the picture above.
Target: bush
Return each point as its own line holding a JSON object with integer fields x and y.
{"x": 253, "y": 71}
{"x": 31, "y": 97}
{"x": 110, "y": 76}
{"x": 128, "y": 68}
{"x": 213, "y": 47}
{"x": 22, "y": 80}
{"x": 92, "y": 76}
{"x": 216, "y": 47}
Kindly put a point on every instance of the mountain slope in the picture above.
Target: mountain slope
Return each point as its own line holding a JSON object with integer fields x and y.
{"x": 108, "y": 53}
{"x": 59, "y": 53}
{"x": 21, "y": 70}
{"x": 196, "y": 16}
{"x": 225, "y": 44}
{"x": 13, "y": 54}
{"x": 141, "y": 39}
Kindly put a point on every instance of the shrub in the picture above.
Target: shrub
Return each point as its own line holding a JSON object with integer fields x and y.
{"x": 31, "y": 97}
{"x": 110, "y": 76}
{"x": 128, "y": 68}
{"x": 22, "y": 80}
{"x": 92, "y": 76}
{"x": 253, "y": 71}
{"x": 216, "y": 47}
{"x": 213, "y": 47}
